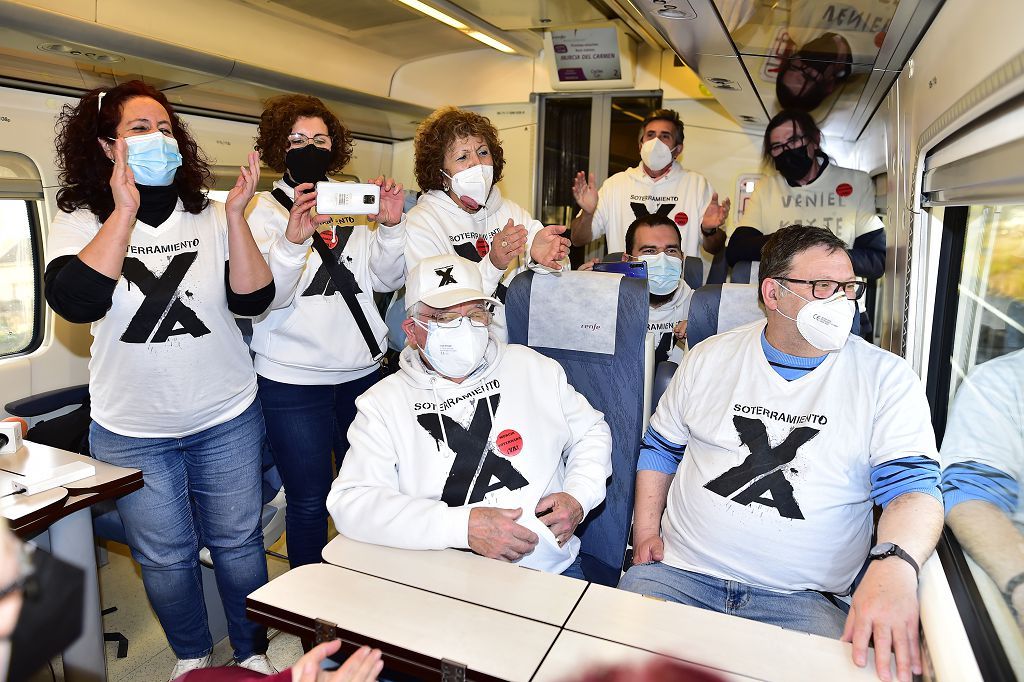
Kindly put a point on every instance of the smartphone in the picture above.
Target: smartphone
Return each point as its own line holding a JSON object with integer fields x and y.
{"x": 347, "y": 198}
{"x": 628, "y": 268}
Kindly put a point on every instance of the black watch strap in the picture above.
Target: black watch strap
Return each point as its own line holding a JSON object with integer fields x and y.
{"x": 888, "y": 549}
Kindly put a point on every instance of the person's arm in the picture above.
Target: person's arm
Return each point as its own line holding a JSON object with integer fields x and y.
{"x": 584, "y": 190}
{"x": 105, "y": 252}
{"x": 885, "y": 606}
{"x": 904, "y": 482}
{"x": 75, "y": 291}
{"x": 744, "y": 245}
{"x": 366, "y": 502}
{"x": 655, "y": 470}
{"x": 247, "y": 305}
{"x": 387, "y": 242}
{"x": 249, "y": 272}
{"x": 712, "y": 225}
{"x": 868, "y": 254}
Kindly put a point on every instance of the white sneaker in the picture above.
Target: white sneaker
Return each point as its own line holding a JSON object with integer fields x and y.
{"x": 185, "y": 665}
{"x": 259, "y": 663}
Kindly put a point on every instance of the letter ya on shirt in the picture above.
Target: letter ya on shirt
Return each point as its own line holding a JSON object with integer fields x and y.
{"x": 477, "y": 469}
{"x": 162, "y": 313}
{"x": 760, "y": 477}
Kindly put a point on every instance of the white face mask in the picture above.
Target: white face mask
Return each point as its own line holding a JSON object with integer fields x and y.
{"x": 824, "y": 323}
{"x": 454, "y": 352}
{"x": 663, "y": 273}
{"x": 473, "y": 183}
{"x": 655, "y": 154}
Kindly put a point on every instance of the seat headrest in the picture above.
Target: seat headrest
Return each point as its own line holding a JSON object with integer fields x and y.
{"x": 574, "y": 311}
{"x": 716, "y": 308}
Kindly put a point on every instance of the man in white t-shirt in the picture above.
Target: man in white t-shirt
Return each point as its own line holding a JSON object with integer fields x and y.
{"x": 792, "y": 430}
{"x": 658, "y": 185}
{"x": 473, "y": 443}
{"x": 656, "y": 240}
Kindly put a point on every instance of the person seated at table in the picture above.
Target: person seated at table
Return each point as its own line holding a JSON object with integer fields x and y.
{"x": 473, "y": 443}
{"x": 656, "y": 240}
{"x": 792, "y": 430}
{"x": 364, "y": 665}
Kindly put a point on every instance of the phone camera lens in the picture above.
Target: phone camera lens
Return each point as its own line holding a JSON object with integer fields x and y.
{"x": 367, "y": 198}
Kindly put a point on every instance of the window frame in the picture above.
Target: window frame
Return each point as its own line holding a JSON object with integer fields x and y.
{"x": 32, "y": 210}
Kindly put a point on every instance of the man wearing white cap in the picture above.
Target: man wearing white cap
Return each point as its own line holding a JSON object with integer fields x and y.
{"x": 473, "y": 443}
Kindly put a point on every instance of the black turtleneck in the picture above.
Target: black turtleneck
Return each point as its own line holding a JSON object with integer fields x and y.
{"x": 156, "y": 204}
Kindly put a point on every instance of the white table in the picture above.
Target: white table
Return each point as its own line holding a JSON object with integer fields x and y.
{"x": 412, "y": 625}
{"x": 573, "y": 652}
{"x": 715, "y": 640}
{"x": 466, "y": 576}
{"x": 64, "y": 514}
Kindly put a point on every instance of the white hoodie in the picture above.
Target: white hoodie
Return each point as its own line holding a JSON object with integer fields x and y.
{"x": 523, "y": 432}
{"x": 437, "y": 225}
{"x": 308, "y": 336}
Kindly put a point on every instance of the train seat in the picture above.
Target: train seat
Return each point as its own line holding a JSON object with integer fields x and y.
{"x": 607, "y": 367}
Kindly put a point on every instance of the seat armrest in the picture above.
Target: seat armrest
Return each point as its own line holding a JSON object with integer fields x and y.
{"x": 42, "y": 403}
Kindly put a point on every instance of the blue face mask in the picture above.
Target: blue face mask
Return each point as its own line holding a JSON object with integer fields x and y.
{"x": 153, "y": 158}
{"x": 663, "y": 273}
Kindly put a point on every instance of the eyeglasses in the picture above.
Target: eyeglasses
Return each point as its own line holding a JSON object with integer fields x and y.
{"x": 452, "y": 319}
{"x": 791, "y": 143}
{"x": 300, "y": 140}
{"x": 827, "y": 288}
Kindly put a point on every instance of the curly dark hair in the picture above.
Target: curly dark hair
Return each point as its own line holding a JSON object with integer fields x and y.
{"x": 280, "y": 114}
{"x": 440, "y": 131}
{"x": 85, "y": 170}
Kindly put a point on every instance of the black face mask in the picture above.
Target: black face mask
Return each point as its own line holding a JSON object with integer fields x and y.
{"x": 51, "y": 614}
{"x": 794, "y": 163}
{"x": 307, "y": 164}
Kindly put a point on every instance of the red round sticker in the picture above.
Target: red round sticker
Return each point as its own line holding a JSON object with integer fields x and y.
{"x": 879, "y": 38}
{"x": 509, "y": 443}
{"x": 844, "y": 190}
{"x": 681, "y": 218}
{"x": 330, "y": 237}
{"x": 482, "y": 247}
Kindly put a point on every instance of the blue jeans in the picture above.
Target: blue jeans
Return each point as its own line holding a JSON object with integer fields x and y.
{"x": 304, "y": 425}
{"x": 805, "y": 611}
{"x": 575, "y": 569}
{"x": 204, "y": 488}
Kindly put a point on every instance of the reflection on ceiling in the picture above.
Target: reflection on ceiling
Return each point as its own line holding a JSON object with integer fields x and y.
{"x": 835, "y": 59}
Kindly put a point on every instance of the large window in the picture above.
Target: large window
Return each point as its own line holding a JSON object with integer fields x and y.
{"x": 983, "y": 444}
{"x": 20, "y": 277}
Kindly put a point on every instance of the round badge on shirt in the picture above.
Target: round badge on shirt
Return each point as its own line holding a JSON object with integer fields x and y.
{"x": 482, "y": 247}
{"x": 509, "y": 443}
{"x": 330, "y": 238}
{"x": 681, "y": 218}
{"x": 844, "y": 190}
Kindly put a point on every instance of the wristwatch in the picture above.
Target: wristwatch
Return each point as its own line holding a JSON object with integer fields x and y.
{"x": 708, "y": 233}
{"x": 888, "y": 549}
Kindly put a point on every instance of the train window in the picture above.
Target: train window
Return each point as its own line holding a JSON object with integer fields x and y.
{"x": 983, "y": 442}
{"x": 20, "y": 273}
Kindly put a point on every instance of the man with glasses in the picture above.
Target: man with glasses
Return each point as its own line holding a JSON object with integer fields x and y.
{"x": 474, "y": 443}
{"x": 760, "y": 468}
{"x": 810, "y": 189}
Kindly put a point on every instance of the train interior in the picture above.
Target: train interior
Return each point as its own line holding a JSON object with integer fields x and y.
{"x": 926, "y": 96}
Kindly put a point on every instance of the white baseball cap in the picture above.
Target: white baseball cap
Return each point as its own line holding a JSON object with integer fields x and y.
{"x": 443, "y": 281}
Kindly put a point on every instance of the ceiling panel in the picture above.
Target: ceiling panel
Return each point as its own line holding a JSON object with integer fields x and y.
{"x": 533, "y": 14}
{"x": 352, "y": 15}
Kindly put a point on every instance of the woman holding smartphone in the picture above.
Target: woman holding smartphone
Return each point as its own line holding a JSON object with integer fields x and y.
{"x": 319, "y": 346}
